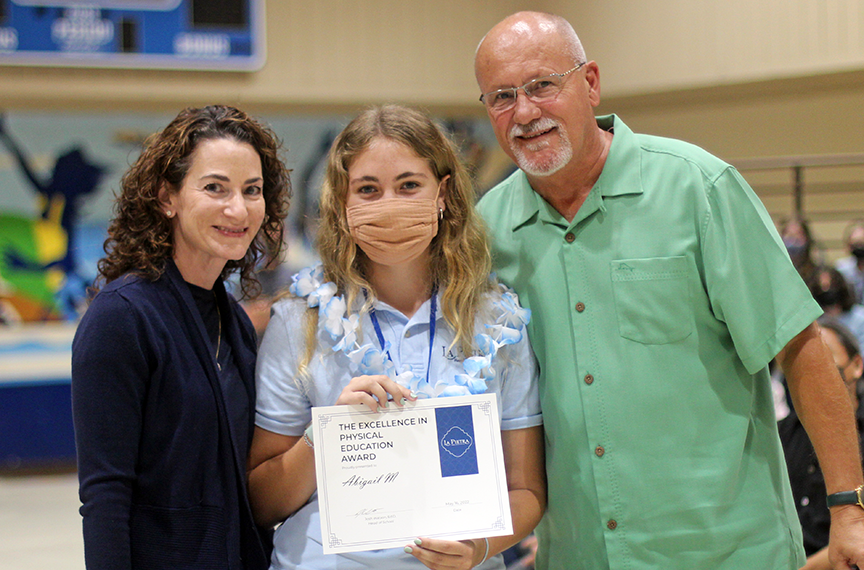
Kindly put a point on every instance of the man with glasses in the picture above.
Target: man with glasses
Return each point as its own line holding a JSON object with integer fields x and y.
{"x": 659, "y": 292}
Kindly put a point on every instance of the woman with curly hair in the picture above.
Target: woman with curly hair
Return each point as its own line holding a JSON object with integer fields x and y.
{"x": 163, "y": 360}
{"x": 397, "y": 310}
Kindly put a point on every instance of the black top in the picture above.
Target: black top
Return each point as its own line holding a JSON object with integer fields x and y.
{"x": 205, "y": 300}
{"x": 236, "y": 402}
{"x": 162, "y": 441}
{"x": 236, "y": 397}
{"x": 808, "y": 484}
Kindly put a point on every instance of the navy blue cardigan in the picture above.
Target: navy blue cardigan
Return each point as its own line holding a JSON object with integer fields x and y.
{"x": 154, "y": 443}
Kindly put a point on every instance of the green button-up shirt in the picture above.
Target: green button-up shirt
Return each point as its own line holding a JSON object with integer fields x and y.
{"x": 655, "y": 313}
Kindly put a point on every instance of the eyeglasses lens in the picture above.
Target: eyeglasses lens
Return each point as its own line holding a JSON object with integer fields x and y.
{"x": 538, "y": 90}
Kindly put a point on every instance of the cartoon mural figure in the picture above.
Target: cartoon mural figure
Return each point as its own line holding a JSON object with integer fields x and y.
{"x": 39, "y": 275}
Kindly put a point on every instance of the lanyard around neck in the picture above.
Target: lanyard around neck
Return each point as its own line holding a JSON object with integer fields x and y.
{"x": 433, "y": 306}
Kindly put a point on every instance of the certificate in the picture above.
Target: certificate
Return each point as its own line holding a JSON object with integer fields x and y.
{"x": 432, "y": 468}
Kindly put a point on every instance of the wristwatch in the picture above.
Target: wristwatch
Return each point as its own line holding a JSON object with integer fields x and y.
{"x": 846, "y": 498}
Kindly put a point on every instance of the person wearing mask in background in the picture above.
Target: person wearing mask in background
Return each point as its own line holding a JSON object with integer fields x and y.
{"x": 799, "y": 245}
{"x": 163, "y": 361}
{"x": 852, "y": 267}
{"x": 405, "y": 255}
{"x": 808, "y": 484}
{"x": 834, "y": 294}
{"x": 660, "y": 291}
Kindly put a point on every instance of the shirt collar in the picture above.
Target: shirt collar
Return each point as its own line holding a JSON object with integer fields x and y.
{"x": 422, "y": 314}
{"x": 621, "y": 176}
{"x": 525, "y": 202}
{"x": 622, "y": 172}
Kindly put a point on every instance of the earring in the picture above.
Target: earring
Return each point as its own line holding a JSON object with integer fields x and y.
{"x": 169, "y": 213}
{"x": 440, "y": 213}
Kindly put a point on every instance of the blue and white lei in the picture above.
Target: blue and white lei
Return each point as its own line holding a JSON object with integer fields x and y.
{"x": 343, "y": 329}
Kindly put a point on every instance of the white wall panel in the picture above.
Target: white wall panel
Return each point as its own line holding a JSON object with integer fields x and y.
{"x": 647, "y": 46}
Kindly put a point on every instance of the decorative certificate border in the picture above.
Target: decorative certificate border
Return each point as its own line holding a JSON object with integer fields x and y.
{"x": 386, "y": 478}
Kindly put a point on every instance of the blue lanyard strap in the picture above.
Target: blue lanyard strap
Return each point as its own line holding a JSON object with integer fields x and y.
{"x": 433, "y": 309}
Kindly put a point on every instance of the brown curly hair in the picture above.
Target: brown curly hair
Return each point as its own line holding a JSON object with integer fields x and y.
{"x": 140, "y": 237}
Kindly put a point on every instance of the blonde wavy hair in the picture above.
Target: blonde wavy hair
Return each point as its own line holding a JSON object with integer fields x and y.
{"x": 460, "y": 262}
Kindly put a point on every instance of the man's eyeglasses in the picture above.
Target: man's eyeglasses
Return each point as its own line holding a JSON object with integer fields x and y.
{"x": 538, "y": 90}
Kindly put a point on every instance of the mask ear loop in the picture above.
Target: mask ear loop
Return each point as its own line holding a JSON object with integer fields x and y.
{"x": 440, "y": 209}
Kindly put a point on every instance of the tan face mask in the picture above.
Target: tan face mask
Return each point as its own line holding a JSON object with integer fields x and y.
{"x": 394, "y": 231}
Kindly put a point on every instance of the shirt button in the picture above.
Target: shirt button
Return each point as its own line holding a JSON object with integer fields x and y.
{"x": 570, "y": 238}
{"x": 612, "y": 524}
{"x": 805, "y": 501}
{"x": 589, "y": 379}
{"x": 811, "y": 469}
{"x": 599, "y": 451}
{"x": 407, "y": 334}
{"x": 580, "y": 306}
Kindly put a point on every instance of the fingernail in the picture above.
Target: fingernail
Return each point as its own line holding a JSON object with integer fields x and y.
{"x": 408, "y": 550}
{"x": 418, "y": 542}
{"x": 413, "y": 394}
{"x": 403, "y": 400}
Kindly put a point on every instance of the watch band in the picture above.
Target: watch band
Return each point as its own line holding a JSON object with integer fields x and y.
{"x": 846, "y": 498}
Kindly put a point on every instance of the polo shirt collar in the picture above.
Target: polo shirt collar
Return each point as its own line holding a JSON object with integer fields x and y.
{"x": 422, "y": 314}
{"x": 622, "y": 167}
{"x": 525, "y": 201}
{"x": 622, "y": 172}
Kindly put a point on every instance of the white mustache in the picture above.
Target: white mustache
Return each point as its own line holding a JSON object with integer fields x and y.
{"x": 534, "y": 127}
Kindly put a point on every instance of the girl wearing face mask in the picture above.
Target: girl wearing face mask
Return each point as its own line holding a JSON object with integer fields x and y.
{"x": 389, "y": 316}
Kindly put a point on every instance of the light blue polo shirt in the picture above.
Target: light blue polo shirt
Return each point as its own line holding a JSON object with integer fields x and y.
{"x": 284, "y": 403}
{"x": 654, "y": 316}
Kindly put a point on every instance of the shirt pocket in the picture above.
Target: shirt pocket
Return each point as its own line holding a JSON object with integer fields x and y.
{"x": 652, "y": 299}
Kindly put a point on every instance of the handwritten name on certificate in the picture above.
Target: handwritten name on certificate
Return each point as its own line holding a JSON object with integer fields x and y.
{"x": 433, "y": 468}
